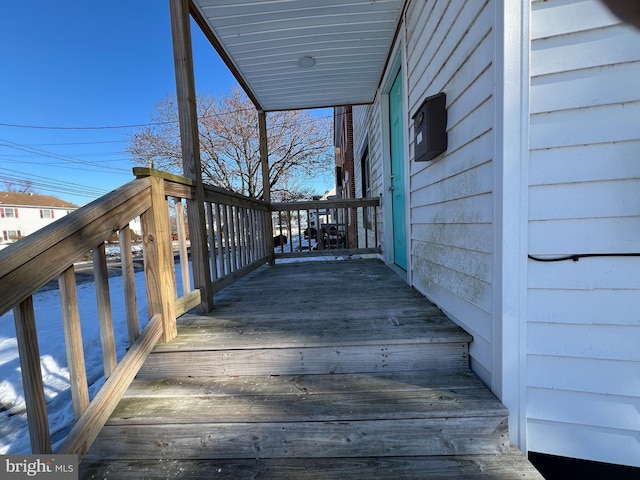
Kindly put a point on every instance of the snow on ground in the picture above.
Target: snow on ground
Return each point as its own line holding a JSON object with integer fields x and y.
{"x": 14, "y": 433}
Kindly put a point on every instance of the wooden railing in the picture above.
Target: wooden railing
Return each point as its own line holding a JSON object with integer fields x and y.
{"x": 239, "y": 232}
{"x": 50, "y": 253}
{"x": 236, "y": 228}
{"x": 326, "y": 227}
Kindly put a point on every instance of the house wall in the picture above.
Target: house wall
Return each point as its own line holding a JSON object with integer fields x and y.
{"x": 450, "y": 48}
{"x": 361, "y": 129}
{"x": 29, "y": 219}
{"x": 583, "y": 385}
{"x": 367, "y": 130}
{"x": 446, "y": 46}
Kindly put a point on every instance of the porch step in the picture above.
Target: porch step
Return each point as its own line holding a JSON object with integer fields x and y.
{"x": 330, "y": 416}
{"x": 387, "y": 357}
{"x": 509, "y": 466}
{"x": 249, "y": 333}
{"x": 323, "y": 371}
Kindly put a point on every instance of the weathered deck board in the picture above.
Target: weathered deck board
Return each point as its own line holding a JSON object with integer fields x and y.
{"x": 306, "y": 360}
{"x": 326, "y": 369}
{"x": 363, "y": 438}
{"x": 511, "y": 466}
{"x": 310, "y": 384}
{"x": 272, "y": 403}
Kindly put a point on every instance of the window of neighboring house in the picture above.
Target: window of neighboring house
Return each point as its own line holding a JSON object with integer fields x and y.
{"x": 11, "y": 235}
{"x": 8, "y": 213}
{"x": 46, "y": 213}
{"x": 366, "y": 187}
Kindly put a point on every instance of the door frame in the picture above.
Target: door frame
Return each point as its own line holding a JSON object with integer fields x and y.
{"x": 395, "y": 66}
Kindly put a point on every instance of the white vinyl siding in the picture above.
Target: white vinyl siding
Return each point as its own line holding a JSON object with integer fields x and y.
{"x": 360, "y": 146}
{"x": 366, "y": 127}
{"x": 583, "y": 387}
{"x": 450, "y": 48}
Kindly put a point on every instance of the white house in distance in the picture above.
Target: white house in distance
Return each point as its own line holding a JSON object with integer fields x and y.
{"x": 21, "y": 214}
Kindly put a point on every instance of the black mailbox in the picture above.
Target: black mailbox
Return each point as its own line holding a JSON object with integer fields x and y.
{"x": 430, "y": 128}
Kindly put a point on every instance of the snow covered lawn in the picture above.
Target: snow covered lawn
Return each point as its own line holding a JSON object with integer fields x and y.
{"x": 14, "y": 433}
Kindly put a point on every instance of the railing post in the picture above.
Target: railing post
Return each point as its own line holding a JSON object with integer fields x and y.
{"x": 266, "y": 183}
{"x": 158, "y": 260}
{"x": 191, "y": 163}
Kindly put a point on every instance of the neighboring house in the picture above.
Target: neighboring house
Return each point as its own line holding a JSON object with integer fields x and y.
{"x": 21, "y": 214}
{"x": 345, "y": 179}
{"x": 526, "y": 231}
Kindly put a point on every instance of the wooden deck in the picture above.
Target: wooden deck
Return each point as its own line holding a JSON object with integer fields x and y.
{"x": 310, "y": 371}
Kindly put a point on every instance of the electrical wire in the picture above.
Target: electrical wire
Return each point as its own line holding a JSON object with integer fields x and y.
{"x": 578, "y": 256}
{"x": 46, "y": 153}
{"x": 136, "y": 125}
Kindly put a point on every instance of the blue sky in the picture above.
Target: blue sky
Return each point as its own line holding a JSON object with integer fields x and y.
{"x": 80, "y": 64}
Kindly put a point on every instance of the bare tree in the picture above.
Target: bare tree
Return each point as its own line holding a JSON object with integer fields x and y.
{"x": 299, "y": 145}
{"x": 23, "y": 186}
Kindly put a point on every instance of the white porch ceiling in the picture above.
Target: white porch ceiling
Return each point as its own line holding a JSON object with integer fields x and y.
{"x": 262, "y": 41}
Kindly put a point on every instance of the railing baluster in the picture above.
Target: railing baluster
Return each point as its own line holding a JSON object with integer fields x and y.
{"x": 232, "y": 237}
{"x": 242, "y": 240}
{"x": 29, "y": 353}
{"x": 129, "y": 285}
{"x": 290, "y": 231}
{"x": 309, "y": 235}
{"x": 261, "y": 242}
{"x": 220, "y": 242}
{"x": 365, "y": 227}
{"x": 182, "y": 246}
{"x": 251, "y": 235}
{"x": 375, "y": 225}
{"x": 212, "y": 241}
{"x": 247, "y": 235}
{"x": 73, "y": 340}
{"x": 105, "y": 318}
{"x": 299, "y": 230}
{"x": 227, "y": 241}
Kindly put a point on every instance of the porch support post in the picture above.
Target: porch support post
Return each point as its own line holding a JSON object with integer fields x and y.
{"x": 511, "y": 210}
{"x": 191, "y": 163}
{"x": 266, "y": 185}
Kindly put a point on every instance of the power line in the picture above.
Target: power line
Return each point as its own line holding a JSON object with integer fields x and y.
{"x": 134, "y": 125}
{"x": 102, "y": 127}
{"x": 52, "y": 185}
{"x": 70, "y": 143}
{"x": 31, "y": 176}
{"x": 45, "y": 153}
{"x": 12, "y": 161}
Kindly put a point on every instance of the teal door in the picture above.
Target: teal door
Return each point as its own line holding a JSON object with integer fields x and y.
{"x": 397, "y": 173}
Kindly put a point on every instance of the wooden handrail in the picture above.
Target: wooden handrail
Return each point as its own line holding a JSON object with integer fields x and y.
{"x": 27, "y": 265}
{"x": 238, "y": 240}
{"x": 322, "y": 204}
{"x": 51, "y": 252}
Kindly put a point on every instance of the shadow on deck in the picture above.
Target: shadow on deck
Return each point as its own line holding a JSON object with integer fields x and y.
{"x": 309, "y": 371}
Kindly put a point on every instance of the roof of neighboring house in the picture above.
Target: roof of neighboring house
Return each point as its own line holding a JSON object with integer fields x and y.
{"x": 33, "y": 200}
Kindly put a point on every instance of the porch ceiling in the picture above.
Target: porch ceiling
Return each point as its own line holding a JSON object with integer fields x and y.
{"x": 263, "y": 42}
